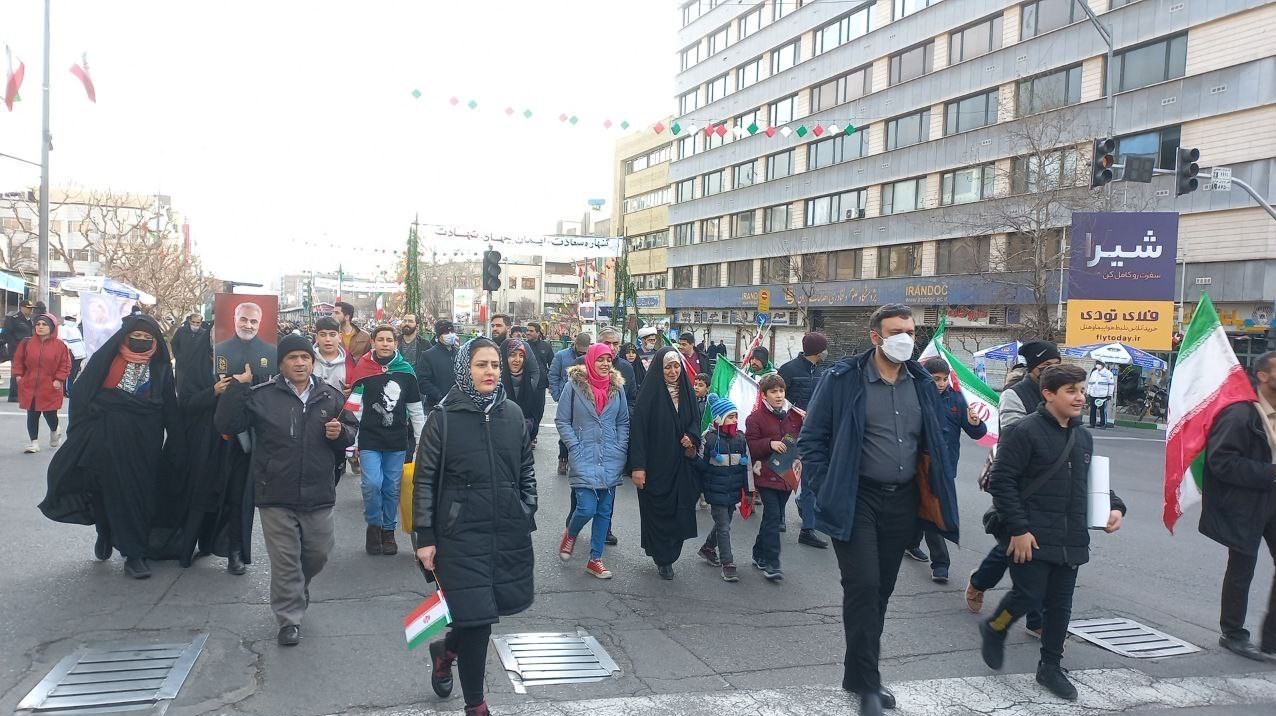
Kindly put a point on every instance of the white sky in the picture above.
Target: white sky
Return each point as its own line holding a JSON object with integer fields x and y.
{"x": 273, "y": 122}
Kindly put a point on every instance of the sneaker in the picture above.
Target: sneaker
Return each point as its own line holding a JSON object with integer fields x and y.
{"x": 137, "y": 568}
{"x": 993, "y": 646}
{"x": 810, "y": 539}
{"x": 974, "y": 597}
{"x": 562, "y": 467}
{"x": 441, "y": 668}
{"x": 916, "y": 553}
{"x": 758, "y": 564}
{"x": 596, "y": 568}
{"x": 1054, "y": 678}
{"x": 729, "y": 573}
{"x": 289, "y": 635}
{"x": 34, "y": 447}
{"x": 1037, "y": 632}
{"x": 939, "y": 575}
{"x": 55, "y": 438}
{"x": 566, "y": 546}
{"x": 709, "y": 555}
{"x": 773, "y": 573}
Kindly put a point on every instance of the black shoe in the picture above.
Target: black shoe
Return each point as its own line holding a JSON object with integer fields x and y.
{"x": 1241, "y": 647}
{"x": 888, "y": 698}
{"x": 611, "y": 539}
{"x": 441, "y": 668}
{"x": 939, "y": 575}
{"x": 993, "y": 648}
{"x": 289, "y": 636}
{"x": 710, "y": 555}
{"x": 1054, "y": 678}
{"x": 773, "y": 573}
{"x": 917, "y": 554}
{"x": 665, "y": 571}
{"x": 810, "y": 539}
{"x": 871, "y": 704}
{"x": 102, "y": 547}
{"x": 235, "y": 563}
{"x": 136, "y": 568}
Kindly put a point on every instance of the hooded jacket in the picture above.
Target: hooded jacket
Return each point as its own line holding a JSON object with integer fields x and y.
{"x": 37, "y": 363}
{"x": 336, "y": 371}
{"x": 597, "y": 444}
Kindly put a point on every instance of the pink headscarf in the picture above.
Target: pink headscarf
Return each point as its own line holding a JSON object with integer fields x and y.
{"x": 600, "y": 383}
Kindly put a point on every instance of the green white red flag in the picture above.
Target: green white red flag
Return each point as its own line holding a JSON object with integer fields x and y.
{"x": 13, "y": 78}
{"x": 427, "y": 620}
{"x": 1207, "y": 378}
{"x": 735, "y": 385}
{"x": 962, "y": 379}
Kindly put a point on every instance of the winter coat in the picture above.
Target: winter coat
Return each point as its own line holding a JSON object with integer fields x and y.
{"x": 597, "y": 444}
{"x": 337, "y": 371}
{"x": 954, "y": 419}
{"x": 16, "y": 327}
{"x": 437, "y": 374}
{"x": 359, "y": 344}
{"x": 293, "y": 462}
{"x": 1239, "y": 491}
{"x": 478, "y": 507}
{"x": 545, "y": 354}
{"x": 1017, "y": 401}
{"x": 38, "y": 363}
{"x": 722, "y": 467}
{"x": 1056, "y": 513}
{"x": 831, "y": 446}
{"x": 564, "y": 359}
{"x": 763, "y": 426}
{"x": 800, "y": 378}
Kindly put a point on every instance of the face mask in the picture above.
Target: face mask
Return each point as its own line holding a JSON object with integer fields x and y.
{"x": 140, "y": 345}
{"x": 450, "y": 339}
{"x": 898, "y": 348}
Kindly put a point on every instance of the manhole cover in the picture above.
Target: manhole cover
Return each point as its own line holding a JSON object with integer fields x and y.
{"x": 544, "y": 659}
{"x": 114, "y": 677}
{"x": 1130, "y": 638}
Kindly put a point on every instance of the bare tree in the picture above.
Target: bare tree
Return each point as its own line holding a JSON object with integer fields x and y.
{"x": 525, "y": 309}
{"x": 438, "y": 280}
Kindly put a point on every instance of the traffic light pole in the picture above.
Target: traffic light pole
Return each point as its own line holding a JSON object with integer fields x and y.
{"x": 1238, "y": 182}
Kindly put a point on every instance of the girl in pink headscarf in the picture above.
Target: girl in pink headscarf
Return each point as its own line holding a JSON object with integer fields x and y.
{"x": 593, "y": 422}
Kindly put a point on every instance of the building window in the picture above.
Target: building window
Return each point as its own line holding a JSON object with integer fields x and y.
{"x": 1051, "y": 91}
{"x": 777, "y": 218}
{"x": 691, "y": 11}
{"x": 743, "y": 224}
{"x": 1147, "y": 65}
{"x": 1046, "y": 15}
{"x": 682, "y": 277}
{"x": 691, "y": 56}
{"x": 650, "y": 159}
{"x": 719, "y": 41}
{"x": 845, "y": 265}
{"x": 743, "y": 174}
{"x": 775, "y": 270}
{"x": 1160, "y": 145}
{"x": 689, "y": 102}
{"x": 785, "y": 56}
{"x": 748, "y": 74}
{"x": 904, "y": 8}
{"x": 716, "y": 89}
{"x": 559, "y": 269}
{"x": 529, "y": 284}
{"x": 779, "y": 165}
{"x": 711, "y": 230}
{"x": 1024, "y": 252}
{"x": 744, "y": 120}
{"x": 649, "y": 241}
{"x": 713, "y": 183}
{"x": 782, "y": 8}
{"x": 970, "y": 113}
{"x": 834, "y": 150}
{"x": 685, "y": 190}
{"x": 709, "y": 275}
{"x": 740, "y": 273}
{"x": 831, "y": 209}
{"x": 646, "y": 201}
{"x": 687, "y": 147}
{"x": 844, "y": 29}
{"x": 781, "y": 112}
{"x": 913, "y": 63}
{"x": 966, "y": 185}
{"x": 903, "y": 196}
{"x": 966, "y": 255}
{"x": 684, "y": 234}
{"x": 1048, "y": 171}
{"x": 751, "y": 22}
{"x": 908, "y": 130}
{"x": 899, "y": 260}
{"x": 839, "y": 90}
{"x": 978, "y": 39}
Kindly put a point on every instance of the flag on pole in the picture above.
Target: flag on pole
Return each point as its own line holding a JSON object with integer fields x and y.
{"x": 380, "y": 306}
{"x": 427, "y": 620}
{"x": 976, "y": 392}
{"x": 1207, "y": 379}
{"x": 13, "y": 79}
{"x": 732, "y": 383}
{"x": 81, "y": 71}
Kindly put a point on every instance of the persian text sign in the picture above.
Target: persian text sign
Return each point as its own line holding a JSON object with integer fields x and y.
{"x": 1123, "y": 255}
{"x": 1146, "y": 325}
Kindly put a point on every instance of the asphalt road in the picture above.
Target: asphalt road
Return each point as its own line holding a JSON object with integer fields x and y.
{"x": 693, "y": 645}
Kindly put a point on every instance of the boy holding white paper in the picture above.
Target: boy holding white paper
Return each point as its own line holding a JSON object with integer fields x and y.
{"x": 1039, "y": 488}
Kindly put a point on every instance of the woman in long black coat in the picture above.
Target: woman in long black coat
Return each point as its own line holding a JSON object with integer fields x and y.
{"x": 665, "y": 431}
{"x": 522, "y": 380}
{"x": 474, "y": 505}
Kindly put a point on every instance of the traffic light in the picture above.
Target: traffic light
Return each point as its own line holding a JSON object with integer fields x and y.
{"x": 1101, "y": 166}
{"x": 491, "y": 270}
{"x": 1185, "y": 171}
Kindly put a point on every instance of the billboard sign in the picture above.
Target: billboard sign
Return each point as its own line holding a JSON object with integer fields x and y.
{"x": 1123, "y": 256}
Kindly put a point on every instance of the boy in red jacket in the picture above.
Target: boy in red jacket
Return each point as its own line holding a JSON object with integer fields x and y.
{"x": 772, "y": 430}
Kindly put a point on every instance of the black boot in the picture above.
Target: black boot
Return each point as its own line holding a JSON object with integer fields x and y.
{"x": 810, "y": 539}
{"x": 136, "y": 568}
{"x": 1054, "y": 678}
{"x": 441, "y": 668}
{"x": 235, "y": 563}
{"x": 102, "y": 547}
{"x": 871, "y": 704}
{"x": 373, "y": 542}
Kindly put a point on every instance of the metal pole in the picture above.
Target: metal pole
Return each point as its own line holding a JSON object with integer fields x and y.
{"x": 1058, "y": 316}
{"x": 43, "y": 288}
{"x": 1109, "y": 86}
{"x": 1182, "y": 295}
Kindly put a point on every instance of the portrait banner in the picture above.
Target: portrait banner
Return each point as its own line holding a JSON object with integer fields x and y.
{"x": 1123, "y": 255}
{"x": 245, "y": 333}
{"x": 1146, "y": 325}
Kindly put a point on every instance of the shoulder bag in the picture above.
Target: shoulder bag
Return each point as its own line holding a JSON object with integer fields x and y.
{"x": 993, "y": 522}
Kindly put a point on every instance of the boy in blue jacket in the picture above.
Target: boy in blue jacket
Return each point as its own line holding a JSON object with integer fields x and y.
{"x": 722, "y": 466}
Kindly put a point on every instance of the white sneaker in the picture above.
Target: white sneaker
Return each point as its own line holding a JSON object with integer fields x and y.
{"x": 33, "y": 447}
{"x": 55, "y": 438}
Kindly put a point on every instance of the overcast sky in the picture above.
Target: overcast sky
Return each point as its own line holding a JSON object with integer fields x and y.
{"x": 275, "y": 123}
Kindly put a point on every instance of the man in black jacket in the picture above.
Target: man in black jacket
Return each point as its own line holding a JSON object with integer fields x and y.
{"x": 435, "y": 372}
{"x": 17, "y": 325}
{"x": 800, "y": 378}
{"x": 1047, "y": 528}
{"x": 299, "y": 433}
{"x": 543, "y": 350}
{"x": 1238, "y": 506}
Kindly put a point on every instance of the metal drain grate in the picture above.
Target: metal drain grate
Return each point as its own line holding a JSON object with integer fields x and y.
{"x": 1130, "y": 638}
{"x": 124, "y": 676}
{"x": 544, "y": 659}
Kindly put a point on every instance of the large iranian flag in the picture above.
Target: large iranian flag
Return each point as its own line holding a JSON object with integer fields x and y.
{"x": 732, "y": 383}
{"x": 1206, "y": 379}
{"x": 976, "y": 392}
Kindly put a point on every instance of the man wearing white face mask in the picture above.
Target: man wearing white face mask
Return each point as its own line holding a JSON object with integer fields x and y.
{"x": 873, "y": 454}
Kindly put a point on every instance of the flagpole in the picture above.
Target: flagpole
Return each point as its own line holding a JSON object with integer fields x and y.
{"x": 43, "y": 288}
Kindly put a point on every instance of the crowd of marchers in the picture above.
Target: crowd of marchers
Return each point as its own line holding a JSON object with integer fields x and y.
{"x": 170, "y": 460}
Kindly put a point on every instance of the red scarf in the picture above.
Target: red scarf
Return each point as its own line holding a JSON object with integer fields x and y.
{"x": 122, "y": 359}
{"x": 601, "y": 384}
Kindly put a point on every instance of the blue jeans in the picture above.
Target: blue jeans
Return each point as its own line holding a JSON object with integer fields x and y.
{"x": 766, "y": 548}
{"x": 382, "y": 473}
{"x": 592, "y": 505}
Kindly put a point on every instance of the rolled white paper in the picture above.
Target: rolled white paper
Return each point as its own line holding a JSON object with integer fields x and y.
{"x": 1100, "y": 487}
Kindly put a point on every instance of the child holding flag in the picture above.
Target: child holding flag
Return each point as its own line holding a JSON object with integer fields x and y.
{"x": 722, "y": 467}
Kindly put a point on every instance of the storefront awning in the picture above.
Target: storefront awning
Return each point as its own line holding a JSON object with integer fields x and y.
{"x": 11, "y": 283}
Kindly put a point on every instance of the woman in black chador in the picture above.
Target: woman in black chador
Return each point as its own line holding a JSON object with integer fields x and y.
{"x": 108, "y": 473}
{"x": 666, "y": 430}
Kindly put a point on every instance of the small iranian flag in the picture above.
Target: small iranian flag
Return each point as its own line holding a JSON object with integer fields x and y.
{"x": 13, "y": 79}
{"x": 976, "y": 392}
{"x": 1207, "y": 379}
{"x": 735, "y": 385}
{"x": 427, "y": 620}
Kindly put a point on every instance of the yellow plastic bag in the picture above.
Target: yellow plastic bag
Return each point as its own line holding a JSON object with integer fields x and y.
{"x": 405, "y": 497}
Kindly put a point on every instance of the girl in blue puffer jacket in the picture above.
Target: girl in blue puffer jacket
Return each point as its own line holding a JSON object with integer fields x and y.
{"x": 722, "y": 466}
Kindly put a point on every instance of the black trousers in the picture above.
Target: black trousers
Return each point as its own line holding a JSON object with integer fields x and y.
{"x": 885, "y": 524}
{"x": 470, "y": 646}
{"x": 1235, "y": 602}
{"x": 938, "y": 548}
{"x": 50, "y": 417}
{"x": 1098, "y": 411}
{"x": 562, "y": 450}
{"x": 1045, "y": 587}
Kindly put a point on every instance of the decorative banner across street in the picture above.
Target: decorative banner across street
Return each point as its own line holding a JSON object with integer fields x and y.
{"x": 1147, "y": 325}
{"x": 558, "y": 246}
{"x": 1123, "y": 255}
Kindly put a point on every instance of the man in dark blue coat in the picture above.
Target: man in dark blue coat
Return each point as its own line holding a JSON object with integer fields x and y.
{"x": 873, "y": 453}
